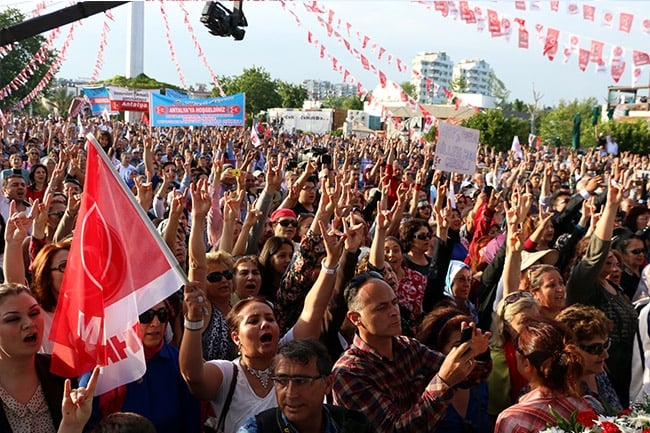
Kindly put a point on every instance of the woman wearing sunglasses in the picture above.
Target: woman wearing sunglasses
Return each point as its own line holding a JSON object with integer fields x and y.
{"x": 588, "y": 285}
{"x": 633, "y": 252}
{"x": 161, "y": 395}
{"x": 416, "y": 236}
{"x": 219, "y": 288}
{"x": 591, "y": 328}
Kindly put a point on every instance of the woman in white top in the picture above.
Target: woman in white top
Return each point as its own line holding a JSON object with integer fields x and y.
{"x": 252, "y": 325}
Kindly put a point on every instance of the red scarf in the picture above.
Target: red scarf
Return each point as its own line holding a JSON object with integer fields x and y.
{"x": 112, "y": 401}
{"x": 517, "y": 381}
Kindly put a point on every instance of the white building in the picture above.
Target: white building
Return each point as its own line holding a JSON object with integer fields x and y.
{"x": 438, "y": 69}
{"x": 318, "y": 90}
{"x": 476, "y": 74}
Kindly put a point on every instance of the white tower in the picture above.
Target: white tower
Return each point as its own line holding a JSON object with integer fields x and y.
{"x": 135, "y": 40}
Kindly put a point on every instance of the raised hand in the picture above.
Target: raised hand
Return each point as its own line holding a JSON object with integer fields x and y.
{"x": 201, "y": 201}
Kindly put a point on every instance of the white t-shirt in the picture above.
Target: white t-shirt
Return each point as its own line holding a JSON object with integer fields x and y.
{"x": 245, "y": 403}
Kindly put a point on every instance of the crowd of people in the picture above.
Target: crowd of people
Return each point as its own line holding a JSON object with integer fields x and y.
{"x": 337, "y": 284}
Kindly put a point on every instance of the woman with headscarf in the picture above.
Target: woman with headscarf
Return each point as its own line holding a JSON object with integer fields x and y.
{"x": 458, "y": 283}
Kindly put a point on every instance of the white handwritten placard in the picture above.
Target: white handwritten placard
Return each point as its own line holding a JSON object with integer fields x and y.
{"x": 456, "y": 149}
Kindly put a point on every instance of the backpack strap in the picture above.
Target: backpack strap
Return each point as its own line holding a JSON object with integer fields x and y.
{"x": 226, "y": 405}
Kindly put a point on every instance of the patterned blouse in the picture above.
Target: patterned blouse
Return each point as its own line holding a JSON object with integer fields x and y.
{"x": 34, "y": 417}
{"x": 215, "y": 341}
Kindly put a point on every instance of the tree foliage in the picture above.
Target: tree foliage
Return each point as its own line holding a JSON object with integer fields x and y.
{"x": 459, "y": 84}
{"x": 261, "y": 91}
{"x": 57, "y": 101}
{"x": 15, "y": 61}
{"x": 141, "y": 81}
{"x": 496, "y": 129}
{"x": 343, "y": 102}
{"x": 292, "y": 95}
{"x": 631, "y": 136}
{"x": 410, "y": 89}
{"x": 556, "y": 124}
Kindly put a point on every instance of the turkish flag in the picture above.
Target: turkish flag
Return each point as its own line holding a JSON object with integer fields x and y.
{"x": 255, "y": 139}
{"x": 625, "y": 22}
{"x": 551, "y": 43}
{"x": 640, "y": 58}
{"x": 118, "y": 267}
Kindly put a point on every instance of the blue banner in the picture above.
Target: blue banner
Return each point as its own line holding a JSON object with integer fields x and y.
{"x": 175, "y": 94}
{"x": 227, "y": 111}
{"x": 98, "y": 98}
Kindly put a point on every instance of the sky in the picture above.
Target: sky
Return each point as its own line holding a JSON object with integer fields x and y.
{"x": 275, "y": 42}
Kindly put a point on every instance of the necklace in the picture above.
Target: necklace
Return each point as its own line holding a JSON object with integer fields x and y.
{"x": 263, "y": 375}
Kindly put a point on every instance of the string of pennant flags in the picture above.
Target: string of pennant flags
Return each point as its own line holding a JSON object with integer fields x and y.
{"x": 170, "y": 43}
{"x": 606, "y": 57}
{"x": 103, "y": 42}
{"x": 500, "y": 24}
{"x": 199, "y": 49}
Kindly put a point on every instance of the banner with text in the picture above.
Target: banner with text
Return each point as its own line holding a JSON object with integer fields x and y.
{"x": 98, "y": 98}
{"x": 124, "y": 99}
{"x": 456, "y": 149}
{"x": 227, "y": 111}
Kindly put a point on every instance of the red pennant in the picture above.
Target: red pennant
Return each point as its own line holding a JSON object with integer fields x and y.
{"x": 625, "y": 22}
{"x": 572, "y": 9}
{"x": 442, "y": 7}
{"x": 645, "y": 25}
{"x": 427, "y": 83}
{"x": 365, "y": 63}
{"x": 617, "y": 69}
{"x": 555, "y": 6}
{"x": 382, "y": 50}
{"x": 382, "y": 79}
{"x": 520, "y": 5}
{"x": 551, "y": 43}
{"x": 494, "y": 24}
{"x": 640, "y": 58}
{"x": 583, "y": 59}
{"x": 589, "y": 12}
{"x": 597, "y": 52}
{"x": 108, "y": 281}
{"x": 523, "y": 38}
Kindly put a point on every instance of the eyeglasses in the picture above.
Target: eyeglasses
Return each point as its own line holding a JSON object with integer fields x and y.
{"x": 597, "y": 348}
{"x": 161, "y": 313}
{"x": 283, "y": 381}
{"x": 423, "y": 236}
{"x": 308, "y": 188}
{"x": 515, "y": 296}
{"x": 287, "y": 223}
{"x": 636, "y": 251}
{"x": 215, "y": 277}
{"x": 60, "y": 267}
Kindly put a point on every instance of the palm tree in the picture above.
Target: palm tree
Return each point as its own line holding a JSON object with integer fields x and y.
{"x": 58, "y": 101}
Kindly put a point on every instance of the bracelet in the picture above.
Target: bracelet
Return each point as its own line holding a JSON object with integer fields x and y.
{"x": 193, "y": 326}
{"x": 329, "y": 271}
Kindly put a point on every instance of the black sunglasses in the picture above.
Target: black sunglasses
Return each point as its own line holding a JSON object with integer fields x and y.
{"x": 597, "y": 348}
{"x": 147, "y": 316}
{"x": 287, "y": 223}
{"x": 636, "y": 251}
{"x": 215, "y": 277}
{"x": 423, "y": 236}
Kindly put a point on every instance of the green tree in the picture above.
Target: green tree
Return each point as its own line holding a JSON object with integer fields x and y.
{"x": 343, "y": 102}
{"x": 410, "y": 89}
{"x": 498, "y": 89}
{"x": 141, "y": 81}
{"x": 261, "y": 91}
{"x": 15, "y": 61}
{"x": 556, "y": 124}
{"x": 57, "y": 101}
{"x": 292, "y": 95}
{"x": 496, "y": 129}
{"x": 459, "y": 84}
